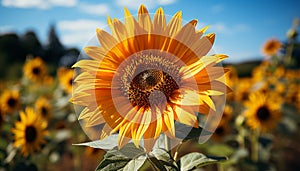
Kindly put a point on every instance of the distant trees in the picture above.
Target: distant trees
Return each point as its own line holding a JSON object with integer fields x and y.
{"x": 54, "y": 49}
{"x": 14, "y": 49}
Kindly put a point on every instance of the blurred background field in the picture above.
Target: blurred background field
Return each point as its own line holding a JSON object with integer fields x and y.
{"x": 259, "y": 129}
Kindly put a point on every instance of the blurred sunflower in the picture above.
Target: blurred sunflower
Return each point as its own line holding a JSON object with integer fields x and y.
{"x": 43, "y": 107}
{"x": 227, "y": 113}
{"x": 231, "y": 77}
{"x": 35, "y": 69}
{"x": 261, "y": 113}
{"x": 242, "y": 89}
{"x": 147, "y": 68}
{"x": 221, "y": 131}
{"x": 66, "y": 79}
{"x": 10, "y": 101}
{"x": 29, "y": 132}
{"x": 271, "y": 47}
{"x": 94, "y": 153}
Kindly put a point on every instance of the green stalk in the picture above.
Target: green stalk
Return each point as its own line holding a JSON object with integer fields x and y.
{"x": 177, "y": 150}
{"x": 254, "y": 145}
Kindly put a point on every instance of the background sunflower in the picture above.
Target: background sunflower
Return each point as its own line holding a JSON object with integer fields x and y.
{"x": 66, "y": 79}
{"x": 10, "y": 101}
{"x": 262, "y": 114}
{"x": 29, "y": 132}
{"x": 43, "y": 107}
{"x": 35, "y": 69}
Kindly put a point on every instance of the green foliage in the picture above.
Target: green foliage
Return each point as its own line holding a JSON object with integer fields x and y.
{"x": 130, "y": 158}
{"x": 196, "y": 160}
{"x": 117, "y": 159}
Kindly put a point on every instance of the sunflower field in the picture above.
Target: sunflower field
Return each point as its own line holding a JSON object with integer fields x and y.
{"x": 50, "y": 114}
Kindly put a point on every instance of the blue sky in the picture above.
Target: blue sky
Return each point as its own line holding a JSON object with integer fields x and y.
{"x": 241, "y": 27}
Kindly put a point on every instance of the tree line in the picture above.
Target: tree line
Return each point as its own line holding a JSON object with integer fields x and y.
{"x": 14, "y": 49}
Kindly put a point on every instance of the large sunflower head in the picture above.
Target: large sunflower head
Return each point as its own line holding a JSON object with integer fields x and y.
{"x": 35, "y": 69}
{"x": 65, "y": 79}
{"x": 43, "y": 107}
{"x": 10, "y": 101}
{"x": 145, "y": 75}
{"x": 262, "y": 113}
{"x": 29, "y": 132}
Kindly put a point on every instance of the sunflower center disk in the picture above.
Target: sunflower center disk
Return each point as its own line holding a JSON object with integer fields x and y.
{"x": 30, "y": 134}
{"x": 44, "y": 111}
{"x": 151, "y": 87}
{"x": 263, "y": 113}
{"x": 12, "y": 102}
{"x": 36, "y": 71}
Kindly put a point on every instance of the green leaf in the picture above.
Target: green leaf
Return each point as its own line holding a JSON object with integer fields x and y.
{"x": 165, "y": 159}
{"x": 117, "y": 159}
{"x": 107, "y": 143}
{"x": 195, "y": 160}
{"x": 112, "y": 162}
{"x": 135, "y": 164}
{"x": 187, "y": 132}
{"x": 156, "y": 165}
{"x": 220, "y": 150}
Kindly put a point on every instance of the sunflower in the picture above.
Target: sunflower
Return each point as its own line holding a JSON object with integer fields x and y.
{"x": 43, "y": 107}
{"x": 35, "y": 69}
{"x": 221, "y": 131}
{"x": 227, "y": 114}
{"x": 242, "y": 89}
{"x": 94, "y": 153}
{"x": 66, "y": 79}
{"x": 271, "y": 47}
{"x": 262, "y": 113}
{"x": 146, "y": 75}
{"x": 29, "y": 132}
{"x": 10, "y": 101}
{"x": 231, "y": 77}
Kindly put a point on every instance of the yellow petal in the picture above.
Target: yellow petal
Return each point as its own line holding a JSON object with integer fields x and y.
{"x": 203, "y": 30}
{"x": 169, "y": 122}
{"x": 159, "y": 22}
{"x": 144, "y": 18}
{"x": 196, "y": 67}
{"x": 95, "y": 52}
{"x": 185, "y": 117}
{"x": 187, "y": 97}
{"x": 142, "y": 127}
{"x": 106, "y": 40}
{"x": 175, "y": 24}
{"x": 124, "y": 134}
{"x": 129, "y": 22}
{"x": 211, "y": 37}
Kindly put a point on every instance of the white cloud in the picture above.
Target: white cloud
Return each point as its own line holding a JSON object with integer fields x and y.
{"x": 217, "y": 9}
{"x": 40, "y": 4}
{"x": 134, "y": 4}
{"x": 95, "y": 9}
{"x": 165, "y": 2}
{"x": 78, "y": 32}
{"x": 222, "y": 28}
{"x": 6, "y": 29}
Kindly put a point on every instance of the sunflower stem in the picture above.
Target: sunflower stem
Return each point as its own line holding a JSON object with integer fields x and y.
{"x": 220, "y": 167}
{"x": 177, "y": 150}
{"x": 254, "y": 144}
{"x": 152, "y": 164}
